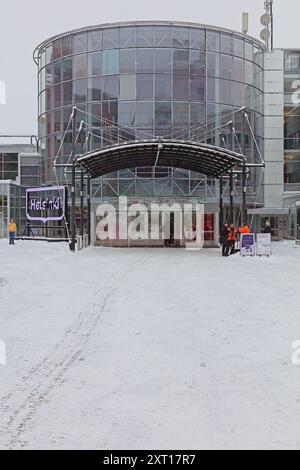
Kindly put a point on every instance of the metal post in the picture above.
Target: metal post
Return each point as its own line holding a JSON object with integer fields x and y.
{"x": 244, "y": 196}
{"x": 81, "y": 203}
{"x": 272, "y": 25}
{"x": 231, "y": 215}
{"x": 73, "y": 189}
{"x": 221, "y": 204}
{"x": 244, "y": 172}
{"x": 231, "y": 209}
{"x": 89, "y": 207}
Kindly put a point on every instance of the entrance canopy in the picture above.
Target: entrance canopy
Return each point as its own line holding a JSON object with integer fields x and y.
{"x": 202, "y": 158}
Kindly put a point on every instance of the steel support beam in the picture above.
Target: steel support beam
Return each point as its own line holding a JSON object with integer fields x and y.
{"x": 73, "y": 188}
{"x": 244, "y": 195}
{"x": 89, "y": 208}
{"x": 81, "y": 203}
{"x": 231, "y": 207}
{"x": 221, "y": 204}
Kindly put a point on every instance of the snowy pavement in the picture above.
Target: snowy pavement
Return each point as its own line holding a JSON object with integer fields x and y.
{"x": 139, "y": 349}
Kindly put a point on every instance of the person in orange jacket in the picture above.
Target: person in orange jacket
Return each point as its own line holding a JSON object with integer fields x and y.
{"x": 12, "y": 231}
{"x": 232, "y": 235}
{"x": 245, "y": 229}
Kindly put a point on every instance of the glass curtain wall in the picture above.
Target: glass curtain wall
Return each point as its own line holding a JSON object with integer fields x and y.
{"x": 143, "y": 81}
{"x": 292, "y": 120}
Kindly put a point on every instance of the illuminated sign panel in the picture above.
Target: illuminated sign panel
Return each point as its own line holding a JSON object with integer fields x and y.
{"x": 46, "y": 204}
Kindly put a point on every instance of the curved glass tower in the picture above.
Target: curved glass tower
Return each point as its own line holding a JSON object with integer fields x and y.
{"x": 141, "y": 80}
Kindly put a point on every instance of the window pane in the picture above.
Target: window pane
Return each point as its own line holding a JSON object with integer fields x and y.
{"x": 239, "y": 94}
{"x": 163, "y": 60}
{"x": 248, "y": 96}
{"x": 213, "y": 64}
{"x": 95, "y": 89}
{"x": 110, "y": 62}
{"x": 57, "y": 49}
{"x": 226, "y": 92}
{"x": 110, "y": 88}
{"x": 144, "y": 114}
{"x": 197, "y": 113}
{"x": 248, "y": 72}
{"x": 213, "y": 90}
{"x": 67, "y": 69}
{"x": 49, "y": 93}
{"x": 248, "y": 51}
{"x": 213, "y": 110}
{"x": 181, "y": 87}
{"x": 49, "y": 75}
{"x": 95, "y": 63}
{"x": 197, "y": 62}
{"x": 181, "y": 37}
{"x": 128, "y": 87}
{"x": 197, "y": 88}
{"x": 145, "y": 86}
{"x": 57, "y": 96}
{"x": 239, "y": 71}
{"x": 213, "y": 41}
{"x": 197, "y": 39}
{"x": 144, "y": 36}
{"x": 127, "y": 113}
{"x": 227, "y": 43}
{"x": 80, "y": 66}
{"x": 66, "y": 45}
{"x": 80, "y": 42}
{"x": 66, "y": 114}
{"x": 67, "y": 89}
{"x": 95, "y": 110}
{"x": 163, "y": 87}
{"x": 127, "y": 61}
{"x": 145, "y": 60}
{"x": 80, "y": 91}
{"x": 95, "y": 40}
{"x": 110, "y": 111}
{"x": 127, "y": 37}
{"x": 181, "y": 114}
{"x": 163, "y": 114}
{"x": 181, "y": 61}
{"x": 239, "y": 47}
{"x": 163, "y": 36}
{"x": 57, "y": 71}
{"x": 227, "y": 67}
{"x": 110, "y": 38}
{"x": 49, "y": 54}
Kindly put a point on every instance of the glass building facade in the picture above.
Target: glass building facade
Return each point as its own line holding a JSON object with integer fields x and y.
{"x": 144, "y": 80}
{"x": 292, "y": 120}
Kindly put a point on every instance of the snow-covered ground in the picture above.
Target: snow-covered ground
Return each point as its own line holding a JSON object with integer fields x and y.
{"x": 139, "y": 349}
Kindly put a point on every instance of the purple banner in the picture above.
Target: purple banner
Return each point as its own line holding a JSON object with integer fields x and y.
{"x": 46, "y": 204}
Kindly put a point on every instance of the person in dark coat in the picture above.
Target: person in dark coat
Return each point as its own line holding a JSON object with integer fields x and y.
{"x": 224, "y": 238}
{"x": 268, "y": 227}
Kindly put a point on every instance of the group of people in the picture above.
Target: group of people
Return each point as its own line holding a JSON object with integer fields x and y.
{"x": 229, "y": 236}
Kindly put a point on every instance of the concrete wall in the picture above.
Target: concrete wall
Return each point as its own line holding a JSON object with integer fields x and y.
{"x": 274, "y": 129}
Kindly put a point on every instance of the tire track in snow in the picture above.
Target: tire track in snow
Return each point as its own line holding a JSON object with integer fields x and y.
{"x": 40, "y": 381}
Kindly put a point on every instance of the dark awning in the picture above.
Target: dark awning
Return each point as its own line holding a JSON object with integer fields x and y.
{"x": 201, "y": 158}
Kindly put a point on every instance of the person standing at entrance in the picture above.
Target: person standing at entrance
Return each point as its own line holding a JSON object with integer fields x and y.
{"x": 244, "y": 230}
{"x": 268, "y": 227}
{"x": 231, "y": 241}
{"x": 224, "y": 238}
{"x": 12, "y": 231}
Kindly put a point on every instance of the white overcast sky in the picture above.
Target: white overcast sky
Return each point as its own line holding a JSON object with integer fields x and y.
{"x": 24, "y": 24}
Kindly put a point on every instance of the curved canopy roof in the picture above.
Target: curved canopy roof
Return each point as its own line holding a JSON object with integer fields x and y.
{"x": 201, "y": 158}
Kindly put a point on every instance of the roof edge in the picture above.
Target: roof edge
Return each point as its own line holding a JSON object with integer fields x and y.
{"x": 44, "y": 43}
